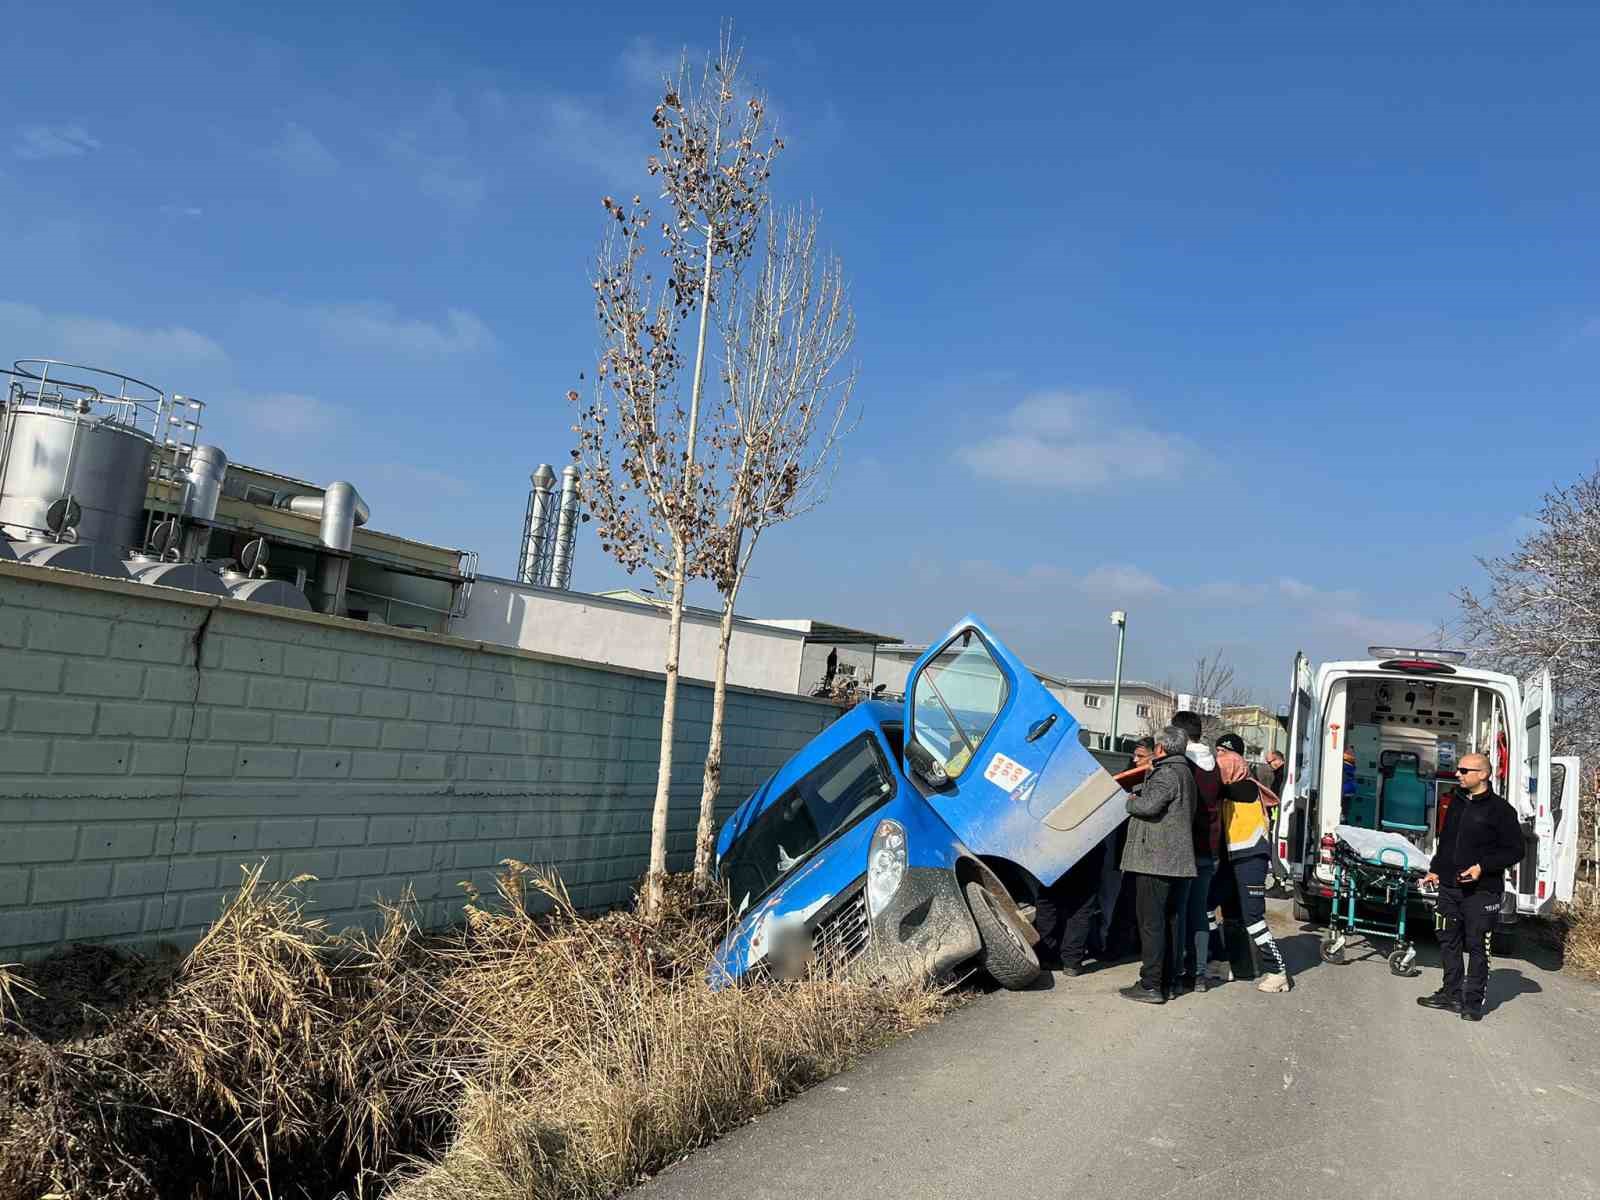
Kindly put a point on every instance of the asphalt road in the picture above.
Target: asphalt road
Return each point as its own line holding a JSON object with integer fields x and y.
{"x": 1341, "y": 1088}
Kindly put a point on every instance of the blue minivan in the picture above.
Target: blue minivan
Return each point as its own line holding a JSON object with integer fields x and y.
{"x": 917, "y": 837}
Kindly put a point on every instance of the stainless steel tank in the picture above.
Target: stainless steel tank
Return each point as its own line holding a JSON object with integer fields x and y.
{"x": 265, "y": 591}
{"x": 52, "y": 451}
{"x": 92, "y": 558}
{"x": 190, "y": 576}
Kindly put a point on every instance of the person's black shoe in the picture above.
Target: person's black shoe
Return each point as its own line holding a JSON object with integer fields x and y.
{"x": 1472, "y": 1014}
{"x": 1142, "y": 994}
{"x": 1203, "y": 982}
{"x": 1072, "y": 970}
{"x": 1183, "y": 987}
{"x": 1440, "y": 1000}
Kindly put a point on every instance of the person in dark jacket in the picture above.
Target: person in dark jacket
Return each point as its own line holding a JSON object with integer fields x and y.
{"x": 1075, "y": 915}
{"x": 1199, "y": 912}
{"x": 1279, "y": 769}
{"x": 1160, "y": 852}
{"x": 1480, "y": 839}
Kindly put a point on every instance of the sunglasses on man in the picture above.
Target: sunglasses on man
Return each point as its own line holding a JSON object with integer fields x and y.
{"x": 1472, "y": 770}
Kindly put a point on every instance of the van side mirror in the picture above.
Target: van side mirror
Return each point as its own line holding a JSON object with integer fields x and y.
{"x": 926, "y": 767}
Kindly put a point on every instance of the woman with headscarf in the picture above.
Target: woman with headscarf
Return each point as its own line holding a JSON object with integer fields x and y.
{"x": 1247, "y": 841}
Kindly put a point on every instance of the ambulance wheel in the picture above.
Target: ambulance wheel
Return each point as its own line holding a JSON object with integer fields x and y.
{"x": 1006, "y": 954}
{"x": 1308, "y": 913}
{"x": 1332, "y": 948}
{"x": 1401, "y": 960}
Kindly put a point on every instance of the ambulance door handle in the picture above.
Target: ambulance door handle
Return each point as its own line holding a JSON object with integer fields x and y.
{"x": 1042, "y": 728}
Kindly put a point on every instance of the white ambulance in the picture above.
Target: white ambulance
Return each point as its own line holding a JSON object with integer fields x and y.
{"x": 1375, "y": 744}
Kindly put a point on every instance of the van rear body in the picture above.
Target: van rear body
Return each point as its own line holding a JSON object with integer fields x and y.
{"x": 1374, "y": 743}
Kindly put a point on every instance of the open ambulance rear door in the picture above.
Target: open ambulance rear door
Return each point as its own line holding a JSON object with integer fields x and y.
{"x": 1536, "y": 875}
{"x": 1565, "y": 809}
{"x": 1297, "y": 820}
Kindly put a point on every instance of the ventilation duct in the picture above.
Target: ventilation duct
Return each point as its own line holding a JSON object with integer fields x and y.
{"x": 538, "y": 527}
{"x": 202, "y": 478}
{"x": 566, "y": 531}
{"x": 340, "y": 509}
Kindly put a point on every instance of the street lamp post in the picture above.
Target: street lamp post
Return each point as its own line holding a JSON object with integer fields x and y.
{"x": 1120, "y": 620}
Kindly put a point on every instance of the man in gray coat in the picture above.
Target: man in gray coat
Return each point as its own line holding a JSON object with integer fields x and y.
{"x": 1160, "y": 853}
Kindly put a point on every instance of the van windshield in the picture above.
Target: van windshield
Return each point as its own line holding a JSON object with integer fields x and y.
{"x": 846, "y": 786}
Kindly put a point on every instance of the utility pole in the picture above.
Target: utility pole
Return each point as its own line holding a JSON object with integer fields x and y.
{"x": 1120, "y": 620}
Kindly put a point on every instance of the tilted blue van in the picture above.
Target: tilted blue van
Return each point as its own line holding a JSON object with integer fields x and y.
{"x": 916, "y": 837}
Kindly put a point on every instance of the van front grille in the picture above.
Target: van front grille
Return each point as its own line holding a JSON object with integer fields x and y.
{"x": 842, "y": 934}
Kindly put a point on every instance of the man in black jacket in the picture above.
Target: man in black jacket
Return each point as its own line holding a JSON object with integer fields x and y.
{"x": 1480, "y": 839}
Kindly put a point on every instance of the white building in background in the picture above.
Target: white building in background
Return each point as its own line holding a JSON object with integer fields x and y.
{"x": 1145, "y": 708}
{"x": 1261, "y": 730}
{"x": 629, "y": 629}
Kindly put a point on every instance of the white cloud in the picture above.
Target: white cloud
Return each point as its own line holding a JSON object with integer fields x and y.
{"x": 434, "y": 148}
{"x": 301, "y": 152}
{"x": 1076, "y": 441}
{"x": 1121, "y": 579}
{"x": 101, "y": 342}
{"x": 572, "y": 130}
{"x": 53, "y": 141}
{"x": 1109, "y": 580}
{"x": 645, "y": 64}
{"x": 1340, "y": 611}
{"x": 378, "y": 326}
{"x": 289, "y": 414}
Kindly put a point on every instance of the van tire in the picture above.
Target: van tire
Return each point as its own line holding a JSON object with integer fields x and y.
{"x": 1005, "y": 955}
{"x": 1309, "y": 913}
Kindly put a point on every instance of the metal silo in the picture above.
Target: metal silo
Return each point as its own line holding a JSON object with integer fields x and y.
{"x": 78, "y": 445}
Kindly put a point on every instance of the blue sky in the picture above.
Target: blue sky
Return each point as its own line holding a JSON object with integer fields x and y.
{"x": 1323, "y": 284}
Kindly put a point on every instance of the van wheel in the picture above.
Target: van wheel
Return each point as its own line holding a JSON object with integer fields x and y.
{"x": 1309, "y": 913}
{"x": 1006, "y": 955}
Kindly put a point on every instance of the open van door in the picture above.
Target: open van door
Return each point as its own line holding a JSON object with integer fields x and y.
{"x": 1294, "y": 812}
{"x": 1565, "y": 811}
{"x": 998, "y": 757}
{"x": 1536, "y": 874}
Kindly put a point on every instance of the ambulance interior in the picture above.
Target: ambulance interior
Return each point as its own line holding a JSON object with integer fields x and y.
{"x": 1404, "y": 736}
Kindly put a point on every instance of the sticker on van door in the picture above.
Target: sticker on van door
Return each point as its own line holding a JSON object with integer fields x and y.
{"x": 1006, "y": 773}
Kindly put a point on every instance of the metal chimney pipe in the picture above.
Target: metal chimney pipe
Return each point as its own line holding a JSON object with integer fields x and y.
{"x": 566, "y": 531}
{"x": 538, "y": 527}
{"x": 203, "y": 477}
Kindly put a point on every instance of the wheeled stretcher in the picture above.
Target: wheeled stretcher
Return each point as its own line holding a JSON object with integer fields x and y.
{"x": 1376, "y": 876}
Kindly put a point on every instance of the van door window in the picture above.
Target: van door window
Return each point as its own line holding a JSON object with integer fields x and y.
{"x": 958, "y": 696}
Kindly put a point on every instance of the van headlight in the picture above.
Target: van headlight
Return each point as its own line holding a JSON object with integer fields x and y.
{"x": 886, "y": 864}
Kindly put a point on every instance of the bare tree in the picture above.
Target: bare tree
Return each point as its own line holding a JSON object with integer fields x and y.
{"x": 1213, "y": 679}
{"x": 649, "y": 485}
{"x": 789, "y": 384}
{"x": 1542, "y": 609}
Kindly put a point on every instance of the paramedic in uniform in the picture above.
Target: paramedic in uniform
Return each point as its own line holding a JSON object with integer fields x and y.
{"x": 1480, "y": 839}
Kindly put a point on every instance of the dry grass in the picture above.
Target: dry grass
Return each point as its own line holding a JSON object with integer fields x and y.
{"x": 520, "y": 1056}
{"x": 1582, "y": 921}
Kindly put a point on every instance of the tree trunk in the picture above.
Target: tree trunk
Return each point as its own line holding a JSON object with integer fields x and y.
{"x": 655, "y": 879}
{"x": 711, "y": 782}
